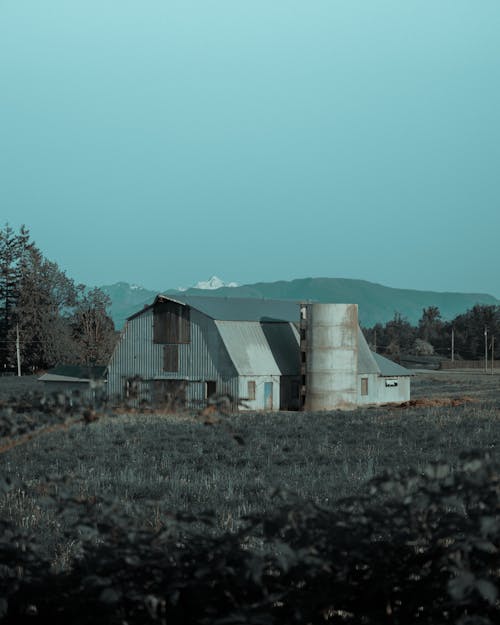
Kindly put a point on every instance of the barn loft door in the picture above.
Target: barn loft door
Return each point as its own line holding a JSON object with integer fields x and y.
{"x": 268, "y": 395}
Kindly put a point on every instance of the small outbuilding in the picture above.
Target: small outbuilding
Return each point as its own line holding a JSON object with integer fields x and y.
{"x": 85, "y": 382}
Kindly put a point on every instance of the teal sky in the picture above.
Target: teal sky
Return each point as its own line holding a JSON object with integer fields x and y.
{"x": 161, "y": 142}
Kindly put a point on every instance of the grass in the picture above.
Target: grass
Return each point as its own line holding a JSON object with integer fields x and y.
{"x": 151, "y": 465}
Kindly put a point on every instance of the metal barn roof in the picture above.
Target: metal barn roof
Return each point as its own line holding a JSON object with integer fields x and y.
{"x": 371, "y": 362}
{"x": 284, "y": 340}
{"x": 389, "y": 368}
{"x": 248, "y": 348}
{"x": 366, "y": 360}
{"x": 266, "y": 344}
{"x": 240, "y": 308}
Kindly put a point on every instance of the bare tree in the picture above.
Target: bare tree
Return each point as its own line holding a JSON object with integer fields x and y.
{"x": 93, "y": 328}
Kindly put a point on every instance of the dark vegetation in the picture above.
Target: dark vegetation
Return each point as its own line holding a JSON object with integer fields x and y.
{"x": 432, "y": 335}
{"x": 383, "y": 515}
{"x": 52, "y": 319}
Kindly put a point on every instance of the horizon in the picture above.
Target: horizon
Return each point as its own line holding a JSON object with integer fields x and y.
{"x": 208, "y": 290}
{"x": 266, "y": 141}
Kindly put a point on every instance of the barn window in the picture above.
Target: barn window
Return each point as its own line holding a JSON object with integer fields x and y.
{"x": 364, "y": 386}
{"x": 171, "y": 323}
{"x": 251, "y": 390}
{"x": 171, "y": 358}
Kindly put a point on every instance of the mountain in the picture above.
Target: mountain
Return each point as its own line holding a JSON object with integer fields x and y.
{"x": 210, "y": 285}
{"x": 377, "y": 303}
{"x": 126, "y": 299}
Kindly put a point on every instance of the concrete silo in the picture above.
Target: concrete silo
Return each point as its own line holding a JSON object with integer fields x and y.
{"x": 329, "y": 353}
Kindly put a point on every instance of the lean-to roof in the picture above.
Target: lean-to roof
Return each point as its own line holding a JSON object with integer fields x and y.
{"x": 248, "y": 348}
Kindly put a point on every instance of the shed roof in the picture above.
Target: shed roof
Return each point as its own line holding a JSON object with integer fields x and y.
{"x": 248, "y": 348}
{"x": 371, "y": 362}
{"x": 388, "y": 367}
{"x": 74, "y": 373}
{"x": 366, "y": 360}
{"x": 240, "y": 308}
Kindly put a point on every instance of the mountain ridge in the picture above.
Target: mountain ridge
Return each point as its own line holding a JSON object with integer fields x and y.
{"x": 377, "y": 302}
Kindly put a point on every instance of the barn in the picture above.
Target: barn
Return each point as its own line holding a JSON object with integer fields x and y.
{"x": 187, "y": 349}
{"x": 182, "y": 350}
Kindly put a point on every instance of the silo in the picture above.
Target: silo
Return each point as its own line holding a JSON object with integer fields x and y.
{"x": 331, "y": 356}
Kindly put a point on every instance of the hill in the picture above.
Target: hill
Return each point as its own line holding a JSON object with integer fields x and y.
{"x": 377, "y": 303}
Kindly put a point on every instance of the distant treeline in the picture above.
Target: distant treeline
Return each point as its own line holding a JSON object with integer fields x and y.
{"x": 468, "y": 334}
{"x": 45, "y": 318}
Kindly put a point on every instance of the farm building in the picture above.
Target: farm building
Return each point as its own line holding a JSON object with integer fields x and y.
{"x": 182, "y": 350}
{"x": 87, "y": 382}
{"x": 337, "y": 366}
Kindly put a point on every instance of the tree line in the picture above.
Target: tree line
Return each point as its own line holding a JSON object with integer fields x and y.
{"x": 467, "y": 334}
{"x": 44, "y": 316}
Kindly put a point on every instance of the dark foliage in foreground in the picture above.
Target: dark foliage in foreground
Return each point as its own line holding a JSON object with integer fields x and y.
{"x": 415, "y": 548}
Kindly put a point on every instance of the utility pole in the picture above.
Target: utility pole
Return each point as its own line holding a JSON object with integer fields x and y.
{"x": 452, "y": 344}
{"x": 492, "y": 353}
{"x": 18, "y": 352}
{"x": 486, "y": 349}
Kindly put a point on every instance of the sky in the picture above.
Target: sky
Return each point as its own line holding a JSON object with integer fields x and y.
{"x": 160, "y": 142}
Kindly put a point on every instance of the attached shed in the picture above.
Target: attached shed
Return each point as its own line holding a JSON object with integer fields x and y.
{"x": 85, "y": 382}
{"x": 380, "y": 380}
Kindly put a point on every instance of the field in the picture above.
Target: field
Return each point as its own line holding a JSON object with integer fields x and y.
{"x": 241, "y": 464}
{"x": 152, "y": 467}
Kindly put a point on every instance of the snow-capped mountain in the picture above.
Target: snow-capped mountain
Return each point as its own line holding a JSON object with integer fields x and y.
{"x": 213, "y": 283}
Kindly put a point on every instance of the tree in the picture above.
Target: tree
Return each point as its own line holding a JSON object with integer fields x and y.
{"x": 14, "y": 249}
{"x": 46, "y": 297}
{"x": 470, "y": 329}
{"x": 430, "y": 324}
{"x": 399, "y": 334}
{"x": 92, "y": 328}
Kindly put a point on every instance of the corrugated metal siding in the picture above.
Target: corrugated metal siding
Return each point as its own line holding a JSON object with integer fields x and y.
{"x": 204, "y": 358}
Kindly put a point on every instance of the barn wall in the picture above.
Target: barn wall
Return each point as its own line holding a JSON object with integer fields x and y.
{"x": 379, "y": 393}
{"x": 204, "y": 358}
{"x": 81, "y": 390}
{"x": 259, "y": 402}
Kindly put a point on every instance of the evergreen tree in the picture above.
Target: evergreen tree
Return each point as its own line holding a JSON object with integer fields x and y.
{"x": 46, "y": 297}
{"x": 14, "y": 249}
